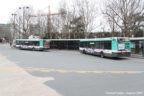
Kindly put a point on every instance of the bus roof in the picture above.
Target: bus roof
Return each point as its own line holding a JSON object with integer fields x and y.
{"x": 84, "y": 39}
{"x": 100, "y": 39}
{"x": 63, "y": 39}
{"x": 92, "y": 39}
{"x": 29, "y": 39}
{"x": 137, "y": 38}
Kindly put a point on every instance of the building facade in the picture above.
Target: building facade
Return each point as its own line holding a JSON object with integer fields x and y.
{"x": 5, "y": 31}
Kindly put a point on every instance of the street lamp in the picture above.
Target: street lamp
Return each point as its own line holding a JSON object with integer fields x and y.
{"x": 14, "y": 27}
{"x": 23, "y": 16}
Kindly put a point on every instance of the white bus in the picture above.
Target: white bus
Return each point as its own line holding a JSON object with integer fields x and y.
{"x": 32, "y": 44}
{"x": 106, "y": 47}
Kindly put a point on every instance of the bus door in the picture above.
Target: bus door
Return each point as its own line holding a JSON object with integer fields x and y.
{"x": 91, "y": 47}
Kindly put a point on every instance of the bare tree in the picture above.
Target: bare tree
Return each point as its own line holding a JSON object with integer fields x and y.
{"x": 65, "y": 19}
{"x": 27, "y": 11}
{"x": 38, "y": 24}
{"x": 79, "y": 12}
{"x": 87, "y": 10}
{"x": 21, "y": 21}
{"x": 77, "y": 21}
{"x": 56, "y": 27}
{"x": 13, "y": 25}
{"x": 51, "y": 17}
{"x": 126, "y": 14}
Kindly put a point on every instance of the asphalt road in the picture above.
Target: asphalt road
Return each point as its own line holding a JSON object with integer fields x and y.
{"x": 77, "y": 74}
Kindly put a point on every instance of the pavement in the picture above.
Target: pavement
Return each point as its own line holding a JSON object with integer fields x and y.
{"x": 139, "y": 56}
{"x": 20, "y": 83}
{"x": 68, "y": 73}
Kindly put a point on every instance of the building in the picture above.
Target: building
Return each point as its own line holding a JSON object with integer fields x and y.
{"x": 5, "y": 31}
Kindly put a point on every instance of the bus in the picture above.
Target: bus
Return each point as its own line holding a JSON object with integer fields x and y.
{"x": 106, "y": 47}
{"x": 32, "y": 44}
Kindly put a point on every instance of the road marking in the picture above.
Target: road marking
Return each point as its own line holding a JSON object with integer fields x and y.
{"x": 69, "y": 71}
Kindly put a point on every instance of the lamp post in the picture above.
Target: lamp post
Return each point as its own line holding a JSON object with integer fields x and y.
{"x": 23, "y": 16}
{"x": 19, "y": 27}
{"x": 14, "y": 27}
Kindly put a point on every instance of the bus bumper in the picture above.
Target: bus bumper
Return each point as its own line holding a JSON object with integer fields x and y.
{"x": 123, "y": 54}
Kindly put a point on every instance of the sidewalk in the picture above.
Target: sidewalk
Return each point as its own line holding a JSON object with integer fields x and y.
{"x": 16, "y": 82}
{"x": 137, "y": 56}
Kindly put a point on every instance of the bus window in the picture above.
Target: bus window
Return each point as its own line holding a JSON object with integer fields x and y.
{"x": 107, "y": 45}
{"x": 36, "y": 43}
{"x": 97, "y": 44}
{"x": 26, "y": 43}
{"x": 86, "y": 44}
{"x": 31, "y": 43}
{"x": 102, "y": 45}
{"x": 82, "y": 44}
{"x": 17, "y": 42}
{"x": 91, "y": 44}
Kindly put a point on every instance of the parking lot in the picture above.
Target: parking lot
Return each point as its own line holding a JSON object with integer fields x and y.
{"x": 76, "y": 74}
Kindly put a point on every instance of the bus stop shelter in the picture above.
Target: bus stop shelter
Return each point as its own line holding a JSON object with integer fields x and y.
{"x": 137, "y": 45}
{"x": 72, "y": 44}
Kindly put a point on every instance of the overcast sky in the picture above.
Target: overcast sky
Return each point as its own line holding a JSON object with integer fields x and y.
{"x": 9, "y": 6}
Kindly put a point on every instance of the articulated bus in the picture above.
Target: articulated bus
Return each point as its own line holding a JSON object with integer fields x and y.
{"x": 32, "y": 44}
{"x": 106, "y": 47}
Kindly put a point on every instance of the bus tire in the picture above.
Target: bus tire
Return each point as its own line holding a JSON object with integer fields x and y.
{"x": 102, "y": 55}
{"x": 84, "y": 52}
{"x": 20, "y": 48}
{"x": 42, "y": 50}
{"x": 33, "y": 49}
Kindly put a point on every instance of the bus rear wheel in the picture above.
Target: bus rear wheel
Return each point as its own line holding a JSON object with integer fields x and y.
{"x": 84, "y": 52}
{"x": 20, "y": 48}
{"x": 102, "y": 55}
{"x": 33, "y": 49}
